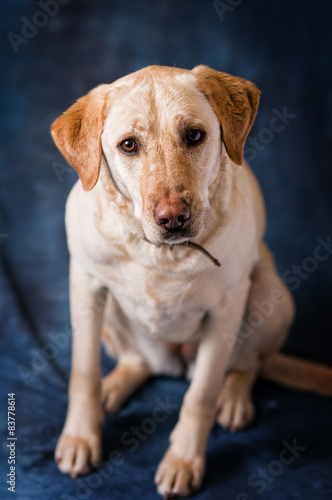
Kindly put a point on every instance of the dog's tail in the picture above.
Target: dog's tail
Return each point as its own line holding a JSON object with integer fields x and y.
{"x": 297, "y": 374}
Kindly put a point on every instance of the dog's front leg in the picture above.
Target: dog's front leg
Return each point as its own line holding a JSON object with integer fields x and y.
{"x": 182, "y": 469}
{"x": 79, "y": 448}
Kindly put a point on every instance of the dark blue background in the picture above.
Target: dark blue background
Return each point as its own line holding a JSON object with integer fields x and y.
{"x": 285, "y": 48}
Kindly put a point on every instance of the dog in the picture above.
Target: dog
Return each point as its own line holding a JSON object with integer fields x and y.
{"x": 168, "y": 266}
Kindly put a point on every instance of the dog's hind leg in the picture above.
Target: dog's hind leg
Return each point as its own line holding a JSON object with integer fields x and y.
{"x": 235, "y": 406}
{"x": 131, "y": 370}
{"x": 122, "y": 382}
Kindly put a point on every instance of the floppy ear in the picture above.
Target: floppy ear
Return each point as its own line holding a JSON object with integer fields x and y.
{"x": 235, "y": 102}
{"x": 77, "y": 134}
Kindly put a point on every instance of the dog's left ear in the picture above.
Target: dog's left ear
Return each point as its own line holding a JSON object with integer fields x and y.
{"x": 77, "y": 134}
{"x": 235, "y": 102}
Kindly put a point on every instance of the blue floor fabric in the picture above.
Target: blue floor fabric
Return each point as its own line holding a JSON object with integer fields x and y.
{"x": 285, "y": 48}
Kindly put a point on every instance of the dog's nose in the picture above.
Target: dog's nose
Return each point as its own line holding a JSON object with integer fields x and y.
{"x": 172, "y": 213}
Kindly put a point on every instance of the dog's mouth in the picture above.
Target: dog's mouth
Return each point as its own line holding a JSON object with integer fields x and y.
{"x": 170, "y": 235}
{"x": 189, "y": 244}
{"x": 175, "y": 236}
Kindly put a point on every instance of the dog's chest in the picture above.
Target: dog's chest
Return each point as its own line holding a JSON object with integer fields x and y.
{"x": 164, "y": 306}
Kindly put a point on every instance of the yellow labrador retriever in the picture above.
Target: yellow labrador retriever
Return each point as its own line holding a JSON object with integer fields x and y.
{"x": 165, "y": 231}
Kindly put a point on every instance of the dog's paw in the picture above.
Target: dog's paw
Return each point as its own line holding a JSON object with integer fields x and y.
{"x": 76, "y": 455}
{"x": 178, "y": 477}
{"x": 236, "y": 411}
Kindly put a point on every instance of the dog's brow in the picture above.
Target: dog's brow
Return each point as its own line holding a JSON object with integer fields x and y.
{"x": 138, "y": 123}
{"x": 188, "y": 119}
{"x": 133, "y": 128}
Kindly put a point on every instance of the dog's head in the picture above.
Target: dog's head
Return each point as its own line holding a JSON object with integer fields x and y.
{"x": 162, "y": 132}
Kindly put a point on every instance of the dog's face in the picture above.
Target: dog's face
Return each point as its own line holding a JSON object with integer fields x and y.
{"x": 161, "y": 132}
{"x": 162, "y": 142}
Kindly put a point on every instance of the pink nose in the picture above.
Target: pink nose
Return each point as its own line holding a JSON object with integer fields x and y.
{"x": 172, "y": 213}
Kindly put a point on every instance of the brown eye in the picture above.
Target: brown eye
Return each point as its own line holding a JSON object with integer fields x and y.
{"x": 194, "y": 135}
{"x": 128, "y": 146}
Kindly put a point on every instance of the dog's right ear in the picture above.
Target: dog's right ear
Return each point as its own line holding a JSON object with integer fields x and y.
{"x": 77, "y": 134}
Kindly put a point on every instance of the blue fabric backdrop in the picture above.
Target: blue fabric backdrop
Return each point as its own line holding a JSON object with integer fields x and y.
{"x": 285, "y": 48}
